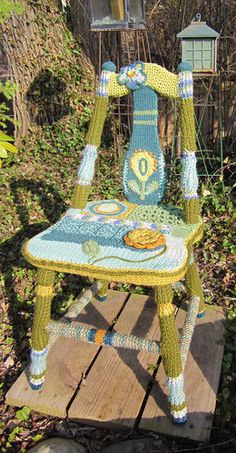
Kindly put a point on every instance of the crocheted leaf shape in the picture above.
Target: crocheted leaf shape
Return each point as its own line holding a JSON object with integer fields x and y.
{"x": 133, "y": 185}
{"x": 91, "y": 248}
{"x": 151, "y": 187}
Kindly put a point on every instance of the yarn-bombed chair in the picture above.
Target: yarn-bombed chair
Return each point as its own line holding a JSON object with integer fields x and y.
{"x": 138, "y": 241}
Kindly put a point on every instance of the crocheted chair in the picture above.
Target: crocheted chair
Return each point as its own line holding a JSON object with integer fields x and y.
{"x": 138, "y": 241}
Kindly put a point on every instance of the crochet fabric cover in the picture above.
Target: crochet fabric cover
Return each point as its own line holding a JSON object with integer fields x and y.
{"x": 88, "y": 239}
{"x": 102, "y": 239}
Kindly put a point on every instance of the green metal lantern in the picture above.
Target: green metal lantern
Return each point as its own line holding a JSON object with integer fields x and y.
{"x": 117, "y": 14}
{"x": 199, "y": 46}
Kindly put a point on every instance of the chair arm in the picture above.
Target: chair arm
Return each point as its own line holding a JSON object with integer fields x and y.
{"x": 189, "y": 179}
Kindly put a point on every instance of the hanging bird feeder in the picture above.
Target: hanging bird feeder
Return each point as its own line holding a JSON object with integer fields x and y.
{"x": 117, "y": 14}
{"x": 199, "y": 46}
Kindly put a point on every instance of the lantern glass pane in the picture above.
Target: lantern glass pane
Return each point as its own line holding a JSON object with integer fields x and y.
{"x": 207, "y": 55}
{"x": 108, "y": 13}
{"x": 136, "y": 11}
{"x": 198, "y": 54}
{"x": 188, "y": 45}
{"x": 189, "y": 54}
{"x": 207, "y": 44}
{"x": 207, "y": 64}
{"x": 198, "y": 64}
{"x": 197, "y": 44}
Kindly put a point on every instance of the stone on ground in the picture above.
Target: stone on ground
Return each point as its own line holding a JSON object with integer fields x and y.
{"x": 58, "y": 445}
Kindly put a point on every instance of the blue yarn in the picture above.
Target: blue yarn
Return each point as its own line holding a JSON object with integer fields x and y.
{"x": 35, "y": 386}
{"x": 145, "y": 138}
{"x": 100, "y": 298}
{"x": 184, "y": 66}
{"x": 180, "y": 421}
{"x": 108, "y": 338}
{"x": 78, "y": 231}
{"x": 109, "y": 66}
{"x": 201, "y": 315}
{"x": 91, "y": 335}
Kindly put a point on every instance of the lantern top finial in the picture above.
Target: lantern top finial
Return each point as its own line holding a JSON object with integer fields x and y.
{"x": 197, "y": 18}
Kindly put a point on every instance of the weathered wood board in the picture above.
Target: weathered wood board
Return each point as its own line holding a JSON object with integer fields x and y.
{"x": 114, "y": 393}
{"x": 117, "y": 383}
{"x": 202, "y": 374}
{"x": 67, "y": 362}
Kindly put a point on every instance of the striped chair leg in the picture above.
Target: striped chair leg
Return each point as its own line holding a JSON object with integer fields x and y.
{"x": 44, "y": 294}
{"x": 101, "y": 295}
{"x": 194, "y": 286}
{"x": 170, "y": 352}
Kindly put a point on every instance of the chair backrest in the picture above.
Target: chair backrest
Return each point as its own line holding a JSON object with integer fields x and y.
{"x": 144, "y": 168}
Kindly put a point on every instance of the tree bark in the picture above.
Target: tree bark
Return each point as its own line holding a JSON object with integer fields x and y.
{"x": 36, "y": 44}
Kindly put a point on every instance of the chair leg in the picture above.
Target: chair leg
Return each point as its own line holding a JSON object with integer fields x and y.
{"x": 170, "y": 352}
{"x": 101, "y": 295}
{"x": 194, "y": 286}
{"x": 39, "y": 351}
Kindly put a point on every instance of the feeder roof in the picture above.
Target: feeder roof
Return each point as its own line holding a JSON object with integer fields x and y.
{"x": 198, "y": 30}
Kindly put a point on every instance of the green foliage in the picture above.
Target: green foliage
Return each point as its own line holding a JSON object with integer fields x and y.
{"x": 13, "y": 435}
{"x": 7, "y": 7}
{"x": 6, "y": 146}
{"x": 23, "y": 414}
{"x": 8, "y": 90}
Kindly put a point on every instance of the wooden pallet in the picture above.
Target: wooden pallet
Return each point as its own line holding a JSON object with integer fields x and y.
{"x": 112, "y": 387}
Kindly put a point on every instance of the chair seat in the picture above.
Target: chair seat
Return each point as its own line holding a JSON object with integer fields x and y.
{"x": 90, "y": 242}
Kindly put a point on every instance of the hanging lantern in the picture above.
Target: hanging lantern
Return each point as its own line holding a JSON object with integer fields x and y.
{"x": 117, "y": 14}
{"x": 199, "y": 46}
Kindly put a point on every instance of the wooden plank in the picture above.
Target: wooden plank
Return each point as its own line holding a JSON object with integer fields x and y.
{"x": 202, "y": 374}
{"x": 68, "y": 359}
{"x": 117, "y": 382}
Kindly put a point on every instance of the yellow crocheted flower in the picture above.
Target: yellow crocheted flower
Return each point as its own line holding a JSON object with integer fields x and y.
{"x": 143, "y": 163}
{"x": 144, "y": 238}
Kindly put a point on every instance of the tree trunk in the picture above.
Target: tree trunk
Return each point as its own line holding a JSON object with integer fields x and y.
{"x": 38, "y": 49}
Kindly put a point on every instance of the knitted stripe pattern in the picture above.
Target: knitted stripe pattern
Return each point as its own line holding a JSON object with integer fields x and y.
{"x": 83, "y": 300}
{"x": 44, "y": 294}
{"x": 101, "y": 337}
{"x": 86, "y": 168}
{"x": 144, "y": 168}
{"x": 189, "y": 180}
{"x": 93, "y": 139}
{"x": 170, "y": 351}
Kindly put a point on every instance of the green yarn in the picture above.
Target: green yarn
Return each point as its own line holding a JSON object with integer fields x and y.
{"x": 42, "y": 312}
{"x": 130, "y": 261}
{"x": 97, "y": 122}
{"x": 162, "y": 215}
{"x": 194, "y": 285}
{"x": 169, "y": 344}
{"x": 45, "y": 277}
{"x": 103, "y": 290}
{"x": 191, "y": 208}
{"x": 80, "y": 196}
{"x": 187, "y": 124}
